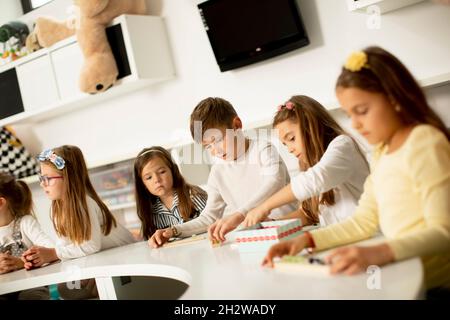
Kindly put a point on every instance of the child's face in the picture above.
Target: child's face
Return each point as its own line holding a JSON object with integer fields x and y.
{"x": 289, "y": 134}
{"x": 225, "y": 144}
{"x": 372, "y": 114}
{"x": 52, "y": 182}
{"x": 157, "y": 177}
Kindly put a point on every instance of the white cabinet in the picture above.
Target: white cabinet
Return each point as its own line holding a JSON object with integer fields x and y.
{"x": 49, "y": 78}
{"x": 67, "y": 62}
{"x": 382, "y": 5}
{"x": 37, "y": 83}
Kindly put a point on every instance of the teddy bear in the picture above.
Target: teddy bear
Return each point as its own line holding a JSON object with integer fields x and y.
{"x": 47, "y": 32}
{"x": 99, "y": 71}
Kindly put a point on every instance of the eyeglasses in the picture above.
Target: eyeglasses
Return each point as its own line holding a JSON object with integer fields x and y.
{"x": 46, "y": 180}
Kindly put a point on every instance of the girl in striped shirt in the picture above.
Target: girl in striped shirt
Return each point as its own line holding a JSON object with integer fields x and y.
{"x": 163, "y": 197}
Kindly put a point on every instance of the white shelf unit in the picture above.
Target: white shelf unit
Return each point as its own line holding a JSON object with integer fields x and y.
{"x": 426, "y": 83}
{"x": 48, "y": 78}
{"x": 383, "y": 5}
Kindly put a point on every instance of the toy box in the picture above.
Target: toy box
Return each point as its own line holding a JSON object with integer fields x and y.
{"x": 115, "y": 186}
{"x": 263, "y": 235}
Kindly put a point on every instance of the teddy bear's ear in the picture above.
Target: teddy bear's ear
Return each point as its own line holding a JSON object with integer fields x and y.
{"x": 91, "y": 8}
{"x": 32, "y": 43}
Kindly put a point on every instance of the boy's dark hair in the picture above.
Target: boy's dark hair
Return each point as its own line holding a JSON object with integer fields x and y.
{"x": 211, "y": 113}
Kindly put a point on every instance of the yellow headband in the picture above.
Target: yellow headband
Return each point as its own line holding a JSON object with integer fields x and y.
{"x": 356, "y": 61}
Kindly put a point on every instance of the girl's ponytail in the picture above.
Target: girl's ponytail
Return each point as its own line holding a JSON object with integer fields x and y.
{"x": 26, "y": 205}
{"x": 18, "y": 195}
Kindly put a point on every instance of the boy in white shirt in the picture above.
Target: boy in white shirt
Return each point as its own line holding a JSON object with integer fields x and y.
{"x": 244, "y": 174}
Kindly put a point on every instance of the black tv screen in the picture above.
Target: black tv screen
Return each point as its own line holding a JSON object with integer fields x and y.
{"x": 242, "y": 32}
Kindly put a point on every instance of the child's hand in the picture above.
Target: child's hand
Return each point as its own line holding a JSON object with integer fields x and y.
{"x": 254, "y": 216}
{"x": 218, "y": 230}
{"x": 352, "y": 260}
{"x": 289, "y": 247}
{"x": 9, "y": 263}
{"x": 160, "y": 237}
{"x": 37, "y": 256}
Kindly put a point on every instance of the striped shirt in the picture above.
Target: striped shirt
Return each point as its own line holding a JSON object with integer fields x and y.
{"x": 165, "y": 218}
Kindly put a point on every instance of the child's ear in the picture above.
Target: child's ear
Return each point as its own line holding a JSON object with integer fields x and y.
{"x": 237, "y": 123}
{"x": 392, "y": 101}
{"x": 2, "y": 202}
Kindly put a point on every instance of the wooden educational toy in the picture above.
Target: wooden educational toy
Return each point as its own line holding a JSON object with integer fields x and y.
{"x": 261, "y": 236}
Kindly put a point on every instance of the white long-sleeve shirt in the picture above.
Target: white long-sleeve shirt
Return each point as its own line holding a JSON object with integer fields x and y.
{"x": 119, "y": 236}
{"x": 241, "y": 185}
{"x": 342, "y": 168}
{"x": 31, "y": 231}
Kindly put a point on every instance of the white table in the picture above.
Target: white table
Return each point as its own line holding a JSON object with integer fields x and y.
{"x": 216, "y": 273}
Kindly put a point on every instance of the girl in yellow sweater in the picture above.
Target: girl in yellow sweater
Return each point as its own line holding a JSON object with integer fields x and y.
{"x": 407, "y": 195}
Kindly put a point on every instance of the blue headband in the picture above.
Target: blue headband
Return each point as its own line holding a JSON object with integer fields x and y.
{"x": 51, "y": 156}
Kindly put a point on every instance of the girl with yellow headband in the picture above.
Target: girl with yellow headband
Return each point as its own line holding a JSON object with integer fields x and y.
{"x": 407, "y": 195}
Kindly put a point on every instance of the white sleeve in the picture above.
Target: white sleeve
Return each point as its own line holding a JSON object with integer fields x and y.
{"x": 213, "y": 211}
{"x": 33, "y": 231}
{"x": 333, "y": 169}
{"x": 69, "y": 250}
{"x": 274, "y": 175}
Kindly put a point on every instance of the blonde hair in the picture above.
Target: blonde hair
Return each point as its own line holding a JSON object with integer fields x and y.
{"x": 70, "y": 214}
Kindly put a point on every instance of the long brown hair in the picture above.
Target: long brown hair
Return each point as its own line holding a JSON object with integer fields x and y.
{"x": 317, "y": 129}
{"x": 387, "y": 75}
{"x": 145, "y": 200}
{"x": 18, "y": 195}
{"x": 70, "y": 214}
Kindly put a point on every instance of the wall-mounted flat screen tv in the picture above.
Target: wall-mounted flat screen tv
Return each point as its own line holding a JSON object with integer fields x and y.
{"x": 242, "y": 32}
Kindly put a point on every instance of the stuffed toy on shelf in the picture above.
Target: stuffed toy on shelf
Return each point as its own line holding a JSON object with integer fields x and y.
{"x": 99, "y": 71}
{"x": 12, "y": 39}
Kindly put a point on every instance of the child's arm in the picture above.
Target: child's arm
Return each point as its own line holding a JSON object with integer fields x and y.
{"x": 297, "y": 214}
{"x": 160, "y": 237}
{"x": 362, "y": 225}
{"x": 213, "y": 211}
{"x": 429, "y": 168}
{"x": 261, "y": 212}
{"x": 9, "y": 263}
{"x": 33, "y": 231}
{"x": 274, "y": 173}
{"x": 333, "y": 169}
{"x": 37, "y": 256}
{"x": 339, "y": 161}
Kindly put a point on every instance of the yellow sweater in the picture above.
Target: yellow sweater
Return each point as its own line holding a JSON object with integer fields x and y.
{"x": 407, "y": 197}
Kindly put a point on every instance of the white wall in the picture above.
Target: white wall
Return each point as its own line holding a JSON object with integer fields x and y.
{"x": 10, "y": 10}
{"x": 418, "y": 34}
{"x": 150, "y": 116}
